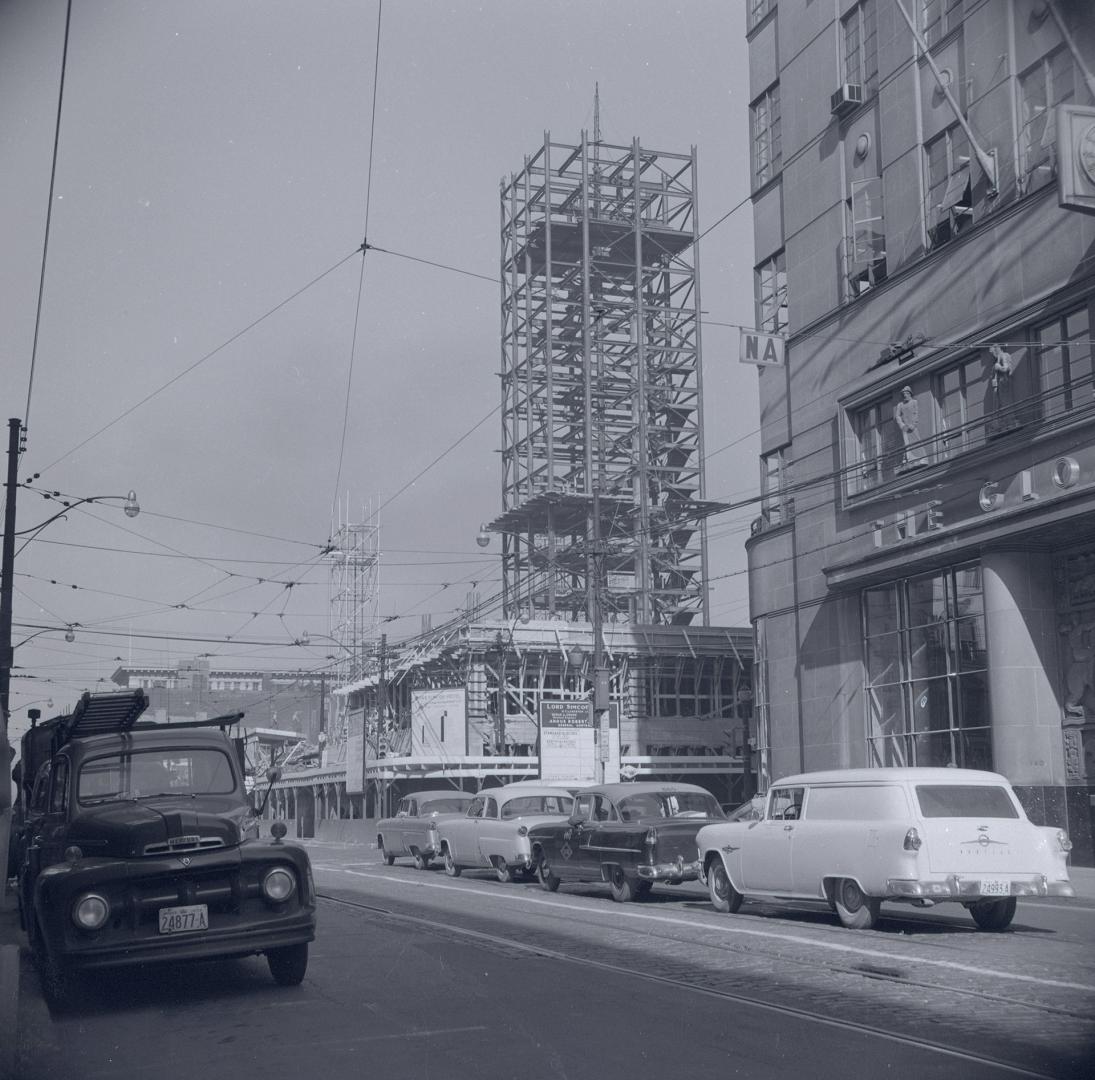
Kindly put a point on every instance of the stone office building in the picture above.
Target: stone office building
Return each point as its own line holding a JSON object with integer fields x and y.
{"x": 923, "y": 570}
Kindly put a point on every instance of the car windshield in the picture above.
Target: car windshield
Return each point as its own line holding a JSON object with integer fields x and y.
{"x": 445, "y": 806}
{"x": 669, "y": 804}
{"x": 965, "y": 801}
{"x": 144, "y": 773}
{"x": 537, "y": 804}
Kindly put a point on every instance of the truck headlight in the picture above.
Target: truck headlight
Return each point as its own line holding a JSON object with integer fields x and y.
{"x": 278, "y": 884}
{"x": 90, "y": 911}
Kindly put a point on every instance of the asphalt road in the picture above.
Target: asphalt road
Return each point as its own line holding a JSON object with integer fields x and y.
{"x": 418, "y": 975}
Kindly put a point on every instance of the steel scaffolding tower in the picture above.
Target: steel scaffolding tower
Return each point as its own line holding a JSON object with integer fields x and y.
{"x": 601, "y": 386}
{"x": 354, "y": 592}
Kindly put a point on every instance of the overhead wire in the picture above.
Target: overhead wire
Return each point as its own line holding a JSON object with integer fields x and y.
{"x": 361, "y": 275}
{"x": 197, "y": 363}
{"x": 49, "y": 213}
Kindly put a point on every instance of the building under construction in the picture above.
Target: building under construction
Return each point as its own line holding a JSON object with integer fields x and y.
{"x": 602, "y": 432}
{"x": 604, "y": 612}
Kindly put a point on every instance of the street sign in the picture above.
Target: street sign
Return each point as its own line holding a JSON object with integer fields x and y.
{"x": 764, "y": 350}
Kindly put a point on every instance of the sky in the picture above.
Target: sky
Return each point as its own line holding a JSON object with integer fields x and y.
{"x": 201, "y": 339}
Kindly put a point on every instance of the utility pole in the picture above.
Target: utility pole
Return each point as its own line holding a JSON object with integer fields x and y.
{"x": 7, "y": 568}
{"x": 381, "y": 720}
{"x": 608, "y": 735}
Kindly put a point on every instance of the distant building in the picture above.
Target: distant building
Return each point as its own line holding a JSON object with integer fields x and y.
{"x": 192, "y": 689}
{"x": 922, "y": 572}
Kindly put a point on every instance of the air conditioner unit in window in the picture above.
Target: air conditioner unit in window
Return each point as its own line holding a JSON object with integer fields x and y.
{"x": 846, "y": 99}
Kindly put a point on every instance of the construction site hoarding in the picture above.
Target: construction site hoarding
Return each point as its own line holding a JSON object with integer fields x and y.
{"x": 439, "y": 722}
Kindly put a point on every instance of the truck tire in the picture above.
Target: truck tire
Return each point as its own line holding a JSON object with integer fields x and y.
{"x": 288, "y": 964}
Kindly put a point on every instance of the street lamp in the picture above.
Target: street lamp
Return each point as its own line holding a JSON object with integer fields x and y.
{"x": 7, "y": 575}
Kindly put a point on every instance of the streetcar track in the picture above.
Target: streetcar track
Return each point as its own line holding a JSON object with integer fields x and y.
{"x": 509, "y": 943}
{"x": 726, "y": 926}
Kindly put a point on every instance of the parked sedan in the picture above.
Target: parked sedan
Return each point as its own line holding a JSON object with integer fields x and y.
{"x": 628, "y": 835}
{"x": 494, "y": 831}
{"x": 411, "y": 831}
{"x": 855, "y": 837}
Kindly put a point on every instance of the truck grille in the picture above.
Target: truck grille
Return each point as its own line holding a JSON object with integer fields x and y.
{"x": 183, "y": 843}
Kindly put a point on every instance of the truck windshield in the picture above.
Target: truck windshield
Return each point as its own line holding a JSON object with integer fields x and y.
{"x": 141, "y": 773}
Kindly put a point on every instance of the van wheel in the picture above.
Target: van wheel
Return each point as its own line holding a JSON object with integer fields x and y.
{"x": 386, "y": 855}
{"x": 623, "y": 887}
{"x": 288, "y": 964}
{"x": 855, "y": 909}
{"x": 993, "y": 914}
{"x": 724, "y": 897}
{"x": 549, "y": 882}
{"x": 450, "y": 867}
{"x": 421, "y": 862}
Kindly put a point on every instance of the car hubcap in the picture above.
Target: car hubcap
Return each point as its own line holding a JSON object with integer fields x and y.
{"x": 850, "y": 896}
{"x": 721, "y": 881}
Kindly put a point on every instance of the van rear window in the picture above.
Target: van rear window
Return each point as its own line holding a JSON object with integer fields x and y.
{"x": 965, "y": 801}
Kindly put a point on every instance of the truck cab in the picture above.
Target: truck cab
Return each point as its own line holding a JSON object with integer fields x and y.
{"x": 138, "y": 843}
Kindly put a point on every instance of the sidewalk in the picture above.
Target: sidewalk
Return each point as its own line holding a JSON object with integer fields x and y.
{"x": 10, "y": 939}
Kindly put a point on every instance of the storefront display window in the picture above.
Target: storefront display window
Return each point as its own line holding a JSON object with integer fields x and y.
{"x": 924, "y": 648}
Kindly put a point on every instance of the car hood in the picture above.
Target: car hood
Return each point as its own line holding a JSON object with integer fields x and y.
{"x": 154, "y": 827}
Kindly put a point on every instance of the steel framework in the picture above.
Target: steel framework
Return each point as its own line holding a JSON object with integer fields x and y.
{"x": 601, "y": 386}
{"x": 354, "y": 592}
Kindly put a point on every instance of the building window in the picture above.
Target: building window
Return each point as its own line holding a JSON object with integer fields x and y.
{"x": 926, "y": 667}
{"x": 758, "y": 9}
{"x": 770, "y": 283}
{"x": 938, "y": 18}
{"x": 865, "y": 242}
{"x": 949, "y": 205}
{"x": 767, "y": 144}
{"x": 775, "y": 507}
{"x": 963, "y": 401}
{"x": 879, "y": 447}
{"x": 1064, "y": 353}
{"x": 1049, "y": 83}
{"x": 860, "y": 40}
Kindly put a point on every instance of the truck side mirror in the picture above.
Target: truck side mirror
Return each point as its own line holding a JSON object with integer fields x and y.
{"x": 273, "y": 775}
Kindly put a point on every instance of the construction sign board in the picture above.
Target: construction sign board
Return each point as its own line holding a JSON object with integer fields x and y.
{"x": 568, "y": 743}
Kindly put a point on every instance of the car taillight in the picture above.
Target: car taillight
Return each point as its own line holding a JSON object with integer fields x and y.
{"x": 1063, "y": 841}
{"x": 522, "y": 830}
{"x": 90, "y": 911}
{"x": 651, "y": 838}
{"x": 278, "y": 885}
{"x": 912, "y": 840}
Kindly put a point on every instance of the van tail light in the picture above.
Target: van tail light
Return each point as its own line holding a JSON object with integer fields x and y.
{"x": 912, "y": 841}
{"x": 1063, "y": 841}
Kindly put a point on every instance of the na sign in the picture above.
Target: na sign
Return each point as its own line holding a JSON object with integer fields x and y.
{"x": 765, "y": 350}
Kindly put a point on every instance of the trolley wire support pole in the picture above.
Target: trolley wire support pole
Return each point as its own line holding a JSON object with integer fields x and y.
{"x": 609, "y": 765}
{"x": 381, "y": 724}
{"x": 7, "y": 568}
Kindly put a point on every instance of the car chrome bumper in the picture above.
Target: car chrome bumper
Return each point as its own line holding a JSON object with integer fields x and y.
{"x": 954, "y": 887}
{"x": 671, "y": 873}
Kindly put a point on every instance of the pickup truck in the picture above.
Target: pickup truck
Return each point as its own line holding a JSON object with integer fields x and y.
{"x": 138, "y": 844}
